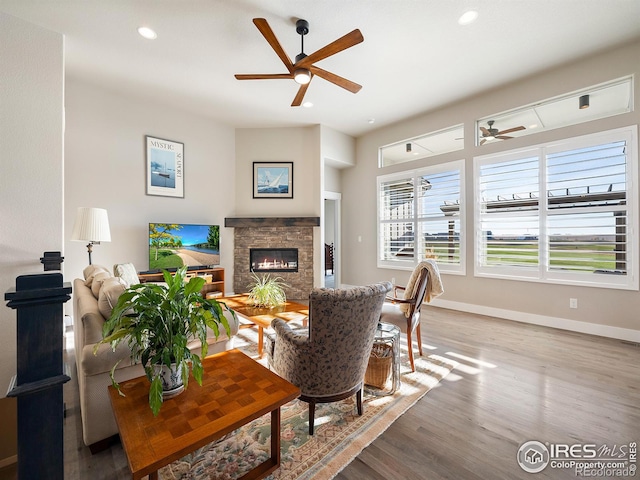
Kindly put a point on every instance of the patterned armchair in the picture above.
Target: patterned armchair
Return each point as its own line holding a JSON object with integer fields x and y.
{"x": 328, "y": 361}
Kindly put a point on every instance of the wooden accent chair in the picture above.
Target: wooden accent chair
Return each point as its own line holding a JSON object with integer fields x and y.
{"x": 328, "y": 360}
{"x": 328, "y": 257}
{"x": 405, "y": 312}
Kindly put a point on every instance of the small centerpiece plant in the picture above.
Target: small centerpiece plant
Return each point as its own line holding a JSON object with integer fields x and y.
{"x": 157, "y": 321}
{"x": 267, "y": 291}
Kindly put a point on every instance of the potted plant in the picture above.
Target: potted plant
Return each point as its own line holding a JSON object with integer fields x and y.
{"x": 267, "y": 291}
{"x": 158, "y": 321}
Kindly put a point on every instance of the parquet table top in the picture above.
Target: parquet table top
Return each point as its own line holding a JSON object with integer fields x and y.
{"x": 235, "y": 390}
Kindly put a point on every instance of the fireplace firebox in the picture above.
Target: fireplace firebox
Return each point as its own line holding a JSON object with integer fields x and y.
{"x": 273, "y": 259}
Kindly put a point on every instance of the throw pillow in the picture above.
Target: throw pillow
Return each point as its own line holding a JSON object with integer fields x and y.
{"x": 90, "y": 271}
{"x": 127, "y": 272}
{"x": 111, "y": 290}
{"x": 96, "y": 284}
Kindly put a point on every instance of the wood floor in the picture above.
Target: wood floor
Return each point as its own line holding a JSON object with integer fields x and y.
{"x": 515, "y": 382}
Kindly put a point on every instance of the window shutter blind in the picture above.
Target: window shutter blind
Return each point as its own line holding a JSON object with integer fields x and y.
{"x": 397, "y": 209}
{"x": 588, "y": 209}
{"x": 419, "y": 216}
{"x": 439, "y": 216}
{"x": 509, "y": 206}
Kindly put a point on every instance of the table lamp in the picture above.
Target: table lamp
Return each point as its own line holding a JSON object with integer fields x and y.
{"x": 91, "y": 225}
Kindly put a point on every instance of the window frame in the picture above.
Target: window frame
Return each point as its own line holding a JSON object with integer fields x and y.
{"x": 543, "y": 273}
{"x": 414, "y": 174}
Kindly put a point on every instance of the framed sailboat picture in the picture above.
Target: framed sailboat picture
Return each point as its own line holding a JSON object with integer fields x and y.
{"x": 165, "y": 167}
{"x": 272, "y": 179}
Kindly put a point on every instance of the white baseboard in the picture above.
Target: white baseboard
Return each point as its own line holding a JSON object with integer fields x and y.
{"x": 554, "y": 322}
{"x": 5, "y": 462}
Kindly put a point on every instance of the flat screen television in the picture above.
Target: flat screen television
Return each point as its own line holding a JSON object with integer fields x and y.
{"x": 172, "y": 245}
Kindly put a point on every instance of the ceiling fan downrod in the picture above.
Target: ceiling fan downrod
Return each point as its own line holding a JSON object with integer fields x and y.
{"x": 302, "y": 75}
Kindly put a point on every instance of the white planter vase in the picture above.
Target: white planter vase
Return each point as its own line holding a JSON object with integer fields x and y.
{"x": 171, "y": 380}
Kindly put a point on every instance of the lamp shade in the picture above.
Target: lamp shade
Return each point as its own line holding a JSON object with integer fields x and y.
{"x": 92, "y": 225}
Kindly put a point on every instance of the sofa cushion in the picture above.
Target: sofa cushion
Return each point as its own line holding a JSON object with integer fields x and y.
{"x": 111, "y": 290}
{"x": 103, "y": 360}
{"x": 126, "y": 271}
{"x": 88, "y": 315}
{"x": 97, "y": 281}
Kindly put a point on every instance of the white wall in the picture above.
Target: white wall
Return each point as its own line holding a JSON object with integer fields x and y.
{"x": 601, "y": 311}
{"x": 338, "y": 149}
{"x": 31, "y": 165}
{"x": 298, "y": 145}
{"x": 105, "y": 167}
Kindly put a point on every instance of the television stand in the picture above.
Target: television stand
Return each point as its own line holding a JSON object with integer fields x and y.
{"x": 215, "y": 285}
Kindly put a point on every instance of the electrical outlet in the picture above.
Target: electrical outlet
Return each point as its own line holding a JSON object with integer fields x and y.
{"x": 573, "y": 303}
{"x": 393, "y": 280}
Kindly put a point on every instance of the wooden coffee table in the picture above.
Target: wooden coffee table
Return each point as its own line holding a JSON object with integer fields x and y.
{"x": 235, "y": 390}
{"x": 262, "y": 316}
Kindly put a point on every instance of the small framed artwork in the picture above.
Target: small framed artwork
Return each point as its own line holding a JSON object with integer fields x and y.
{"x": 165, "y": 167}
{"x": 272, "y": 179}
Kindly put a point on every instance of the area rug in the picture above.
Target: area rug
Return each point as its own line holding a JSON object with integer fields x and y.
{"x": 340, "y": 434}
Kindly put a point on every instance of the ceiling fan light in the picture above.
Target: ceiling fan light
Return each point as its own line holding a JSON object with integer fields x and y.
{"x": 302, "y": 76}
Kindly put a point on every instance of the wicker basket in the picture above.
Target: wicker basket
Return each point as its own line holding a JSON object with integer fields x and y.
{"x": 380, "y": 365}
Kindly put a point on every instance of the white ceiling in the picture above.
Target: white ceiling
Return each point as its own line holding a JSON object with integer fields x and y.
{"x": 414, "y": 58}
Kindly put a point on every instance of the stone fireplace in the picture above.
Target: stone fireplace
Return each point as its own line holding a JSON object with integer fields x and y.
{"x": 278, "y": 235}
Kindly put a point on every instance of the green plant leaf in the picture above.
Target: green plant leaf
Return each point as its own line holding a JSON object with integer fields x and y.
{"x": 196, "y": 368}
{"x": 155, "y": 395}
{"x": 115, "y": 384}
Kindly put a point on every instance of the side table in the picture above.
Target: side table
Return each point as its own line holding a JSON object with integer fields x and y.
{"x": 388, "y": 337}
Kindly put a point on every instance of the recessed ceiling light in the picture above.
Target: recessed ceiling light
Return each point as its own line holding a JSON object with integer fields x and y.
{"x": 468, "y": 17}
{"x": 307, "y": 104}
{"x": 533, "y": 125}
{"x": 371, "y": 120}
{"x": 147, "y": 33}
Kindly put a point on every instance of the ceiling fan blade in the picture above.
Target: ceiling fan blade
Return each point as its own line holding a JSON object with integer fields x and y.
{"x": 268, "y": 34}
{"x": 297, "y": 101}
{"x": 336, "y": 79}
{"x": 485, "y": 132}
{"x": 509, "y": 130}
{"x": 349, "y": 40}
{"x": 483, "y": 141}
{"x": 263, "y": 76}
{"x": 503, "y": 137}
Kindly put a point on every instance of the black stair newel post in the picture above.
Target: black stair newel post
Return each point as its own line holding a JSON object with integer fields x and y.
{"x": 38, "y": 301}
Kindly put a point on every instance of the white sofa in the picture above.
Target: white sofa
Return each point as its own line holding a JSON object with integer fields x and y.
{"x": 93, "y": 298}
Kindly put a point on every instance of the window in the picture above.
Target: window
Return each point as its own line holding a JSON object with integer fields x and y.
{"x": 420, "y": 214}
{"x": 598, "y": 101}
{"x": 560, "y": 213}
{"x": 427, "y": 145}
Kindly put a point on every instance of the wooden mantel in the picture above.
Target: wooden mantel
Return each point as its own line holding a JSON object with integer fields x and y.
{"x": 272, "y": 222}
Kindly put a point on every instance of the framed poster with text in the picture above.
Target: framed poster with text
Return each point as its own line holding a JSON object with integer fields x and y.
{"x": 165, "y": 167}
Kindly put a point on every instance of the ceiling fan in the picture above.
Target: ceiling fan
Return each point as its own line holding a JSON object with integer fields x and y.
{"x": 495, "y": 133}
{"x": 304, "y": 69}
